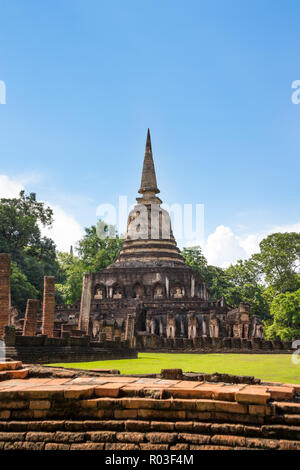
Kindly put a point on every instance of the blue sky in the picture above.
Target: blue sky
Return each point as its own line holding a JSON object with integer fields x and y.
{"x": 212, "y": 79}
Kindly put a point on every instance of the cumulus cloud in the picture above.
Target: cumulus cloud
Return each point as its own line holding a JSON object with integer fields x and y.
{"x": 222, "y": 247}
{"x": 65, "y": 230}
{"x": 9, "y": 187}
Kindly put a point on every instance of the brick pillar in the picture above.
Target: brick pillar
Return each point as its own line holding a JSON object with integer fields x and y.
{"x": 129, "y": 330}
{"x": 30, "y": 323}
{"x": 4, "y": 292}
{"x": 48, "y": 306}
{"x": 85, "y": 306}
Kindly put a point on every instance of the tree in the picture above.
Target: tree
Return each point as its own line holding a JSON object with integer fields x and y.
{"x": 193, "y": 257}
{"x": 238, "y": 283}
{"x": 214, "y": 277}
{"x": 20, "y": 235}
{"x": 217, "y": 281}
{"x": 285, "y": 310}
{"x": 72, "y": 269}
{"x": 21, "y": 289}
{"x": 19, "y": 223}
{"x": 244, "y": 286}
{"x": 279, "y": 260}
{"x": 96, "y": 251}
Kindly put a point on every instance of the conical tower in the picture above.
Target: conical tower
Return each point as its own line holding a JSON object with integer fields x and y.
{"x": 149, "y": 239}
{"x": 148, "y": 181}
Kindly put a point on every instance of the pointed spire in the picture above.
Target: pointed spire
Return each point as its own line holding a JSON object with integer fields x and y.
{"x": 148, "y": 182}
{"x": 148, "y": 142}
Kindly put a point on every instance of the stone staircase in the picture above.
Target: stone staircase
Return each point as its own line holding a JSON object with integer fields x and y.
{"x": 12, "y": 370}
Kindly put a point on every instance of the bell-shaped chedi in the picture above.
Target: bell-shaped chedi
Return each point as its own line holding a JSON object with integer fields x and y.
{"x": 149, "y": 239}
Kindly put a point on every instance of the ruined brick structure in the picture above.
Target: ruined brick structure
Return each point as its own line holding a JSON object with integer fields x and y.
{"x": 30, "y": 323}
{"x": 151, "y": 282}
{"x": 48, "y": 306}
{"x": 61, "y": 340}
{"x": 101, "y": 411}
{"x": 4, "y": 292}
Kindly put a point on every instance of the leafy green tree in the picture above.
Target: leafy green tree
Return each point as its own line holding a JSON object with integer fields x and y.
{"x": 21, "y": 289}
{"x": 194, "y": 257}
{"x": 217, "y": 281}
{"x": 244, "y": 286}
{"x": 96, "y": 251}
{"x": 285, "y": 310}
{"x": 279, "y": 260}
{"x": 238, "y": 283}
{"x": 214, "y": 277}
{"x": 21, "y": 220}
{"x": 70, "y": 286}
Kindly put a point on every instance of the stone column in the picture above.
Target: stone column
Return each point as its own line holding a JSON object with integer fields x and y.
{"x": 192, "y": 286}
{"x": 4, "y": 292}
{"x": 48, "y": 306}
{"x": 30, "y": 323}
{"x": 129, "y": 330}
{"x": 85, "y": 306}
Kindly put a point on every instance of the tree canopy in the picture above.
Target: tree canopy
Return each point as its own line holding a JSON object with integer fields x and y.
{"x": 94, "y": 253}
{"x": 238, "y": 283}
{"x": 33, "y": 255}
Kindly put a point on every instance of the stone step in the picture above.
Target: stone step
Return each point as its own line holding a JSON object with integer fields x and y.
{"x": 12, "y": 365}
{"x": 13, "y": 374}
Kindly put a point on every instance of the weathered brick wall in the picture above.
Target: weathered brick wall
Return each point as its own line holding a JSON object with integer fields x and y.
{"x": 4, "y": 291}
{"x": 98, "y": 418}
{"x": 30, "y": 323}
{"x": 48, "y": 306}
{"x": 207, "y": 344}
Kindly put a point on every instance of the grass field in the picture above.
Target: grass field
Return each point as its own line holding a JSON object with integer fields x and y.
{"x": 273, "y": 367}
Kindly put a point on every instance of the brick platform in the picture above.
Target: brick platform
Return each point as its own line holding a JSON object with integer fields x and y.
{"x": 115, "y": 413}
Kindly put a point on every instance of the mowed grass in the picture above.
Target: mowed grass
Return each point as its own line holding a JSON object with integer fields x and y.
{"x": 273, "y": 367}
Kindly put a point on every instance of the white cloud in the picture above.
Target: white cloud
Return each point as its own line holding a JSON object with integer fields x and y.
{"x": 223, "y": 247}
{"x": 65, "y": 230}
{"x": 250, "y": 243}
{"x": 9, "y": 187}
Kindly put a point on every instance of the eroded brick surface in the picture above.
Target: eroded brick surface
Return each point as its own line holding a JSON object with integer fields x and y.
{"x": 36, "y": 415}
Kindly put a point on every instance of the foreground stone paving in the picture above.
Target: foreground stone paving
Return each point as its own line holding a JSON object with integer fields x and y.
{"x": 131, "y": 413}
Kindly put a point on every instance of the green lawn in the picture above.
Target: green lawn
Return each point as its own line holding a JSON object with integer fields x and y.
{"x": 273, "y": 367}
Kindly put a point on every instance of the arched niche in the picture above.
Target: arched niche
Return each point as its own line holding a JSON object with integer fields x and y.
{"x": 177, "y": 291}
{"x": 99, "y": 292}
{"x": 138, "y": 291}
{"x": 158, "y": 291}
{"x": 117, "y": 291}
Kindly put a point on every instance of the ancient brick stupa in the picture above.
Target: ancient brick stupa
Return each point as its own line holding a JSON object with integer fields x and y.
{"x": 149, "y": 291}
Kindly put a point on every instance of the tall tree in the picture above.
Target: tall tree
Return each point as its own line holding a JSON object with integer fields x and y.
{"x": 214, "y": 277}
{"x": 20, "y": 235}
{"x": 279, "y": 260}
{"x": 285, "y": 310}
{"x": 98, "y": 249}
{"x": 245, "y": 285}
{"x": 194, "y": 257}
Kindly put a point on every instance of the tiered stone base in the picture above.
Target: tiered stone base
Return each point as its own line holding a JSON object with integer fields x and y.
{"x": 128, "y": 413}
{"x": 12, "y": 370}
